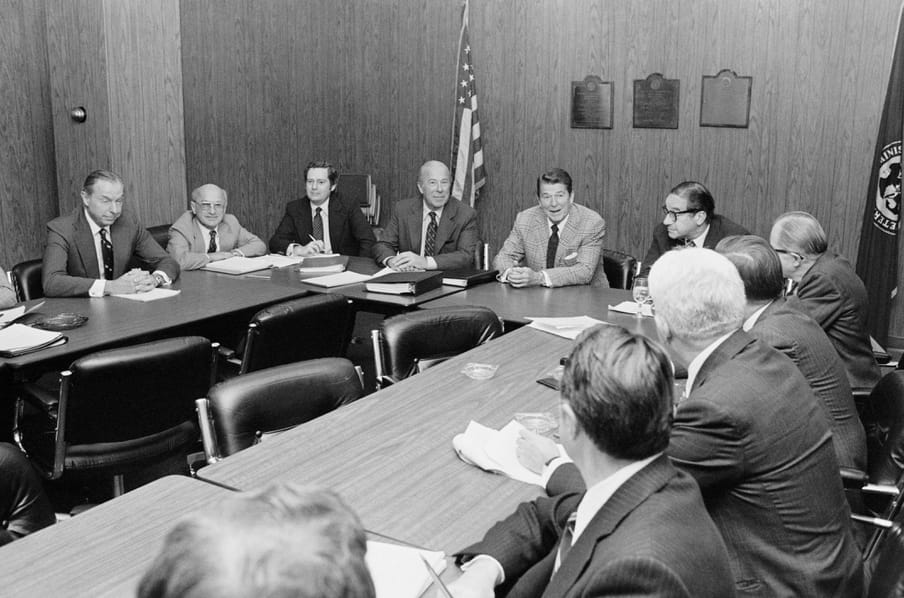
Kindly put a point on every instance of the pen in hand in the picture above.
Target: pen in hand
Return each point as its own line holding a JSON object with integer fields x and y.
{"x": 319, "y": 249}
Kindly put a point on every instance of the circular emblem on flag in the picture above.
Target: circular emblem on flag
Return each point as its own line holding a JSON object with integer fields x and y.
{"x": 888, "y": 189}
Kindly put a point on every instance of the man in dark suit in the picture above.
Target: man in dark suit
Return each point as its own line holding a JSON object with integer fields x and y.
{"x": 429, "y": 232}
{"x": 689, "y": 219}
{"x": 798, "y": 336}
{"x": 323, "y": 221}
{"x": 88, "y": 251}
{"x": 828, "y": 290}
{"x": 641, "y": 528}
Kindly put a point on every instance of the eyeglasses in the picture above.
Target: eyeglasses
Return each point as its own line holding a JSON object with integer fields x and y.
{"x": 793, "y": 254}
{"x": 673, "y": 214}
{"x": 210, "y": 207}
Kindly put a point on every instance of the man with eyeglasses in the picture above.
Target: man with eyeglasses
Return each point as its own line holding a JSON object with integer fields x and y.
{"x": 88, "y": 252}
{"x": 206, "y": 233}
{"x": 689, "y": 219}
{"x": 828, "y": 290}
{"x": 430, "y": 232}
{"x": 556, "y": 243}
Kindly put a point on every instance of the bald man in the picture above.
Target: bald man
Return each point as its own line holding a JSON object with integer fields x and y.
{"x": 206, "y": 233}
{"x": 429, "y": 232}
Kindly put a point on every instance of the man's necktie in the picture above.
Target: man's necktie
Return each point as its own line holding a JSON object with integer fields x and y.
{"x": 430, "y": 241}
{"x": 212, "y": 247}
{"x": 106, "y": 252}
{"x": 565, "y": 542}
{"x": 689, "y": 243}
{"x": 318, "y": 225}
{"x": 552, "y": 247}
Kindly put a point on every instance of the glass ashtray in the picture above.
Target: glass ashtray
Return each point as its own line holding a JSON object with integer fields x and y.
{"x": 542, "y": 423}
{"x": 64, "y": 321}
{"x": 479, "y": 371}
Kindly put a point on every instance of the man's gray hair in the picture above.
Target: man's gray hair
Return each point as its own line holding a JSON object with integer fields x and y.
{"x": 697, "y": 293}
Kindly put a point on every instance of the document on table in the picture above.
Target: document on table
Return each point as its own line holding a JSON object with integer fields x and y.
{"x": 564, "y": 327}
{"x": 19, "y": 339}
{"x": 630, "y": 307}
{"x": 8, "y": 315}
{"x": 398, "y": 571}
{"x": 343, "y": 278}
{"x": 240, "y": 265}
{"x": 152, "y": 295}
{"x": 281, "y": 261}
{"x": 494, "y": 450}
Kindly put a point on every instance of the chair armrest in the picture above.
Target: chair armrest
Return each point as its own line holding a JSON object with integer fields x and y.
{"x": 40, "y": 398}
{"x": 881, "y": 489}
{"x": 384, "y": 381}
{"x": 853, "y": 479}
{"x": 225, "y": 353}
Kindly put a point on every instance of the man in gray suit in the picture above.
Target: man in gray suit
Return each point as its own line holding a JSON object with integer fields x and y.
{"x": 556, "y": 243}
{"x": 641, "y": 528}
{"x": 429, "y": 232}
{"x": 88, "y": 251}
{"x": 797, "y": 335}
{"x": 206, "y": 233}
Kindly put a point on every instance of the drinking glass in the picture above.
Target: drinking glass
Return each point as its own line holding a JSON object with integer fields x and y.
{"x": 641, "y": 292}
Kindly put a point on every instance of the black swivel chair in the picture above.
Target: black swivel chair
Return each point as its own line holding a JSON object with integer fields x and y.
{"x": 619, "y": 268}
{"x": 117, "y": 411}
{"x": 411, "y": 342}
{"x": 297, "y": 330}
{"x": 26, "y": 277}
{"x": 160, "y": 234}
{"x": 237, "y": 412}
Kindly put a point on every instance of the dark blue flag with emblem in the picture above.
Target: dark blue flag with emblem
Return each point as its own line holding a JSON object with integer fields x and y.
{"x": 877, "y": 258}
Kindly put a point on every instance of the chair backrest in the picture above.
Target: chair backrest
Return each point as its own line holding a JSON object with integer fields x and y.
{"x": 619, "y": 268}
{"x": 887, "y": 565}
{"x": 307, "y": 328}
{"x": 26, "y": 278}
{"x": 120, "y": 395}
{"x": 24, "y": 506}
{"x": 434, "y": 333}
{"x": 883, "y": 420}
{"x": 278, "y": 398}
{"x": 160, "y": 234}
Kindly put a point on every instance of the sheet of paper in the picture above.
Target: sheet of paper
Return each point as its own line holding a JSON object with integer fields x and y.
{"x": 16, "y": 337}
{"x": 630, "y": 307}
{"x": 398, "y": 571}
{"x": 240, "y": 265}
{"x": 8, "y": 315}
{"x": 152, "y": 295}
{"x": 337, "y": 280}
{"x": 281, "y": 261}
{"x": 324, "y": 269}
{"x": 569, "y": 327}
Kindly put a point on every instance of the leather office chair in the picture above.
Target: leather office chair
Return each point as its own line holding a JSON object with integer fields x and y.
{"x": 887, "y": 572}
{"x": 314, "y": 326}
{"x": 26, "y": 278}
{"x": 236, "y": 412}
{"x": 619, "y": 268}
{"x": 24, "y": 506}
{"x": 411, "y": 342}
{"x": 117, "y": 411}
{"x": 160, "y": 234}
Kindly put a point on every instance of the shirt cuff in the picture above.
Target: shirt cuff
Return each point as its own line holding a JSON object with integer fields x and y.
{"x": 290, "y": 247}
{"x": 504, "y": 276}
{"x": 238, "y": 252}
{"x": 431, "y": 263}
{"x": 500, "y": 572}
{"x": 166, "y": 279}
{"x": 546, "y": 282}
{"x": 97, "y": 288}
{"x": 551, "y": 468}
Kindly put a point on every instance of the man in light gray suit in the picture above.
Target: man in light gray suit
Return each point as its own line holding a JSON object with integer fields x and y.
{"x": 556, "y": 243}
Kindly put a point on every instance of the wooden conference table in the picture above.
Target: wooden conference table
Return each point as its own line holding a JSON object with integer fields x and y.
{"x": 390, "y": 454}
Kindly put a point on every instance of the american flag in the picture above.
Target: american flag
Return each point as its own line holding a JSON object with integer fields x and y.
{"x": 467, "y": 147}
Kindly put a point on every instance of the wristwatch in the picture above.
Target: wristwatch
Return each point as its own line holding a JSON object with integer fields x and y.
{"x": 159, "y": 278}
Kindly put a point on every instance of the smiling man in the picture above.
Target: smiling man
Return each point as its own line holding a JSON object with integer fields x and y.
{"x": 430, "y": 232}
{"x": 689, "y": 219}
{"x": 88, "y": 251}
{"x": 323, "y": 221}
{"x": 556, "y": 243}
{"x": 206, "y": 233}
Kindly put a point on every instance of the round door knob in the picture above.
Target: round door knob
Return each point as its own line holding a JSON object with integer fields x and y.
{"x": 78, "y": 114}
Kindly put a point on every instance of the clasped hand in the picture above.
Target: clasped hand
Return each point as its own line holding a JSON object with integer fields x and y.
{"x": 407, "y": 261}
{"x": 520, "y": 276}
{"x": 133, "y": 281}
{"x": 312, "y": 248}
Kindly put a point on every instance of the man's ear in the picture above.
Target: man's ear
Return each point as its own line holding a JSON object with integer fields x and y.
{"x": 84, "y": 197}
{"x": 568, "y": 424}
{"x": 662, "y": 327}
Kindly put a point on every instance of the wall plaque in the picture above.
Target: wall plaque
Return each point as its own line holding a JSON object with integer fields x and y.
{"x": 725, "y": 100}
{"x": 591, "y": 103}
{"x": 656, "y": 102}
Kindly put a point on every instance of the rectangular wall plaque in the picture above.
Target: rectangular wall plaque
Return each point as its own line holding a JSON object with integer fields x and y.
{"x": 656, "y": 102}
{"x": 725, "y": 100}
{"x": 591, "y": 103}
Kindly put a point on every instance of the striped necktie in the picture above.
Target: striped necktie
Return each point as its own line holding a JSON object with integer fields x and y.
{"x": 430, "y": 240}
{"x": 212, "y": 247}
{"x": 318, "y": 225}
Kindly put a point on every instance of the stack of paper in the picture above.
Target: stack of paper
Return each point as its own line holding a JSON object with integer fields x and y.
{"x": 152, "y": 295}
{"x": 564, "y": 327}
{"x": 398, "y": 571}
{"x": 240, "y": 265}
{"x": 281, "y": 261}
{"x": 495, "y": 450}
{"x": 630, "y": 307}
{"x": 337, "y": 280}
{"x": 19, "y": 339}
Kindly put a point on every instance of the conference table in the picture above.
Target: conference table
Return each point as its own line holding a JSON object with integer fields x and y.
{"x": 105, "y": 550}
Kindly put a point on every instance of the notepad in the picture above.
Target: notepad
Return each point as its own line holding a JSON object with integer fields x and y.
{"x": 152, "y": 295}
{"x": 398, "y": 571}
{"x": 19, "y": 339}
{"x": 565, "y": 327}
{"x": 239, "y": 265}
{"x": 494, "y": 450}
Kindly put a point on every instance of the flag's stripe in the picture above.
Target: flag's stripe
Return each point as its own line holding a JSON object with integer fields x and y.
{"x": 461, "y": 162}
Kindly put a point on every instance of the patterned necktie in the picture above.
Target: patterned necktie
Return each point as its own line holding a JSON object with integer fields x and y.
{"x": 212, "y": 247}
{"x": 689, "y": 243}
{"x": 106, "y": 252}
{"x": 565, "y": 543}
{"x": 318, "y": 225}
{"x": 430, "y": 241}
{"x": 552, "y": 247}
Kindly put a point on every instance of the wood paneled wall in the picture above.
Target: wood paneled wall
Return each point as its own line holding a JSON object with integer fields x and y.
{"x": 28, "y": 191}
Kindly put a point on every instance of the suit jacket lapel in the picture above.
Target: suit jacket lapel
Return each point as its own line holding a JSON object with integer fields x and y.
{"x": 567, "y": 234}
{"x": 628, "y": 496}
{"x": 414, "y": 225}
{"x": 446, "y": 223}
{"x": 337, "y": 219}
{"x": 728, "y": 349}
{"x": 84, "y": 243}
{"x": 121, "y": 234}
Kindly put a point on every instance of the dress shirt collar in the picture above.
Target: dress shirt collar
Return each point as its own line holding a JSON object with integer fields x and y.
{"x": 694, "y": 368}
{"x": 426, "y": 213}
{"x": 752, "y": 320}
{"x": 324, "y": 208}
{"x": 95, "y": 229}
{"x": 560, "y": 224}
{"x": 205, "y": 233}
{"x": 597, "y": 495}
{"x": 700, "y": 239}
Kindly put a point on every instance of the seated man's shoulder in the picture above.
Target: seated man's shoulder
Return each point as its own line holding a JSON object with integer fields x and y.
{"x": 185, "y": 219}
{"x": 730, "y": 227}
{"x": 587, "y": 214}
